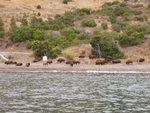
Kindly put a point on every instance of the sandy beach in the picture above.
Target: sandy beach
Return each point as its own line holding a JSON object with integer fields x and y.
{"x": 110, "y": 68}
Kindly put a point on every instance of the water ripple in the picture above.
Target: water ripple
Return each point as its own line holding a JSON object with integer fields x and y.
{"x": 74, "y": 93}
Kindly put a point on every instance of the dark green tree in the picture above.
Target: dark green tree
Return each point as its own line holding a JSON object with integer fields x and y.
{"x": 13, "y": 25}
{"x": 2, "y": 30}
{"x": 105, "y": 47}
{"x": 24, "y": 21}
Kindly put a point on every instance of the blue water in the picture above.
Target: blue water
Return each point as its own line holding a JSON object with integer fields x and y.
{"x": 74, "y": 93}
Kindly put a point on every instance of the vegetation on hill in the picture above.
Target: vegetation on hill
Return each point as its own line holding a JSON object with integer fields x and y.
{"x": 50, "y": 37}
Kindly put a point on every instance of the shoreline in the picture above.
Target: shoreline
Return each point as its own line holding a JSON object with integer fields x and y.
{"x": 115, "y": 68}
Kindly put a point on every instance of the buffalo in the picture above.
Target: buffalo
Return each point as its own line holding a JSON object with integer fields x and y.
{"x": 76, "y": 62}
{"x": 81, "y": 56}
{"x": 10, "y": 62}
{"x": 72, "y": 61}
{"x": 141, "y": 60}
{"x": 49, "y": 61}
{"x": 60, "y": 60}
{"x": 19, "y": 64}
{"x": 116, "y": 61}
{"x": 45, "y": 64}
{"x": 101, "y": 62}
{"x": 27, "y": 64}
{"x": 92, "y": 56}
{"x": 129, "y": 62}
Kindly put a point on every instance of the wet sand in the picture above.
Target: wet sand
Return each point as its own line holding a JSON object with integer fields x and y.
{"x": 109, "y": 68}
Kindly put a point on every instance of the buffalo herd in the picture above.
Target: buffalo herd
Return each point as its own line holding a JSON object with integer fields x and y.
{"x": 106, "y": 60}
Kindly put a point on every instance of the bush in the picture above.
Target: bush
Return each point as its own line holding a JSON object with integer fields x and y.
{"x": 139, "y": 27}
{"x": 123, "y": 4}
{"x": 69, "y": 55}
{"x": 104, "y": 26}
{"x": 2, "y": 34}
{"x": 22, "y": 34}
{"x": 113, "y": 19}
{"x": 38, "y": 7}
{"x": 140, "y": 18}
{"x": 10, "y": 57}
{"x": 65, "y": 1}
{"x": 148, "y": 6}
{"x": 88, "y": 23}
{"x": 55, "y": 52}
{"x": 116, "y": 27}
{"x": 82, "y": 11}
{"x": 39, "y": 14}
{"x": 130, "y": 38}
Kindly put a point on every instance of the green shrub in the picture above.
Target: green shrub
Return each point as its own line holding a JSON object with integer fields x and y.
{"x": 65, "y": 1}
{"x": 55, "y": 52}
{"x": 138, "y": 27}
{"x": 104, "y": 25}
{"x": 2, "y": 30}
{"x": 69, "y": 55}
{"x": 82, "y": 11}
{"x": 113, "y": 19}
{"x": 29, "y": 44}
{"x": 123, "y": 4}
{"x": 10, "y": 57}
{"x": 140, "y": 18}
{"x": 116, "y": 27}
{"x": 39, "y": 14}
{"x": 130, "y": 38}
{"x": 38, "y": 7}
{"x": 148, "y": 6}
{"x": 88, "y": 23}
{"x": 138, "y": 5}
{"x": 137, "y": 12}
{"x": 2, "y": 34}
{"x": 22, "y": 34}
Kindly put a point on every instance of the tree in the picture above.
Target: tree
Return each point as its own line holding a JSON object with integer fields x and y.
{"x": 24, "y": 21}
{"x": 13, "y": 25}
{"x": 2, "y": 30}
{"x": 104, "y": 47}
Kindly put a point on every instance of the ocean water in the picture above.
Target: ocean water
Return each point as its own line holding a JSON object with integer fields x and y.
{"x": 66, "y": 92}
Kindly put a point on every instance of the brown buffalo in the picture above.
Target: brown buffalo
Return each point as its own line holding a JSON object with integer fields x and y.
{"x": 76, "y": 62}
{"x": 116, "y": 61}
{"x": 81, "y": 56}
{"x": 109, "y": 57}
{"x": 10, "y": 62}
{"x": 141, "y": 60}
{"x": 129, "y": 62}
{"x": 60, "y": 60}
{"x": 27, "y": 64}
{"x": 19, "y": 64}
{"x": 49, "y": 61}
{"x": 71, "y": 64}
{"x": 73, "y": 61}
{"x": 92, "y": 56}
{"x": 35, "y": 60}
{"x": 68, "y": 62}
{"x": 101, "y": 62}
{"x": 45, "y": 64}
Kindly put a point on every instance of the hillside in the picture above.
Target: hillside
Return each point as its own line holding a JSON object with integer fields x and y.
{"x": 49, "y": 8}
